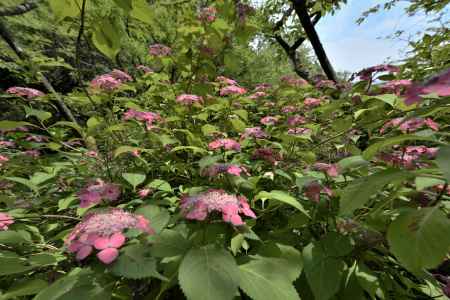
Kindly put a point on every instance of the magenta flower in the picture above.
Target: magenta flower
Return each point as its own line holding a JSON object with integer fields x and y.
{"x": 188, "y": 99}
{"x": 5, "y": 221}
{"x": 148, "y": 117}
{"x": 6, "y": 144}
{"x": 366, "y": 74}
{"x": 227, "y": 144}
{"x": 269, "y": 120}
{"x": 439, "y": 84}
{"x": 410, "y": 125}
{"x": 226, "y": 81}
{"x": 254, "y": 132}
{"x": 262, "y": 87}
{"x": 198, "y": 207}
{"x": 25, "y": 92}
{"x": 92, "y": 154}
{"x": 288, "y": 109}
{"x": 120, "y": 75}
{"x": 325, "y": 84}
{"x": 296, "y": 120}
{"x": 314, "y": 189}
{"x": 299, "y": 131}
{"x": 396, "y": 86}
{"x": 257, "y": 95}
{"x": 37, "y": 138}
{"x": 97, "y": 191}
{"x": 311, "y": 102}
{"x": 267, "y": 154}
{"x": 331, "y": 170}
{"x": 3, "y": 159}
{"x": 145, "y": 69}
{"x": 110, "y": 81}
{"x": 159, "y": 50}
{"x": 144, "y": 192}
{"x": 232, "y": 90}
{"x": 208, "y": 14}
{"x": 104, "y": 231}
{"x": 410, "y": 157}
{"x": 216, "y": 169}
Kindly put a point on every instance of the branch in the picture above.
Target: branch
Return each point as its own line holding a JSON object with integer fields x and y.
{"x": 20, "y": 9}
{"x": 280, "y": 22}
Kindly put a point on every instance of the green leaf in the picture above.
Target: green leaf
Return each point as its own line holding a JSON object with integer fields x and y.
{"x": 352, "y": 162}
{"x": 208, "y": 129}
{"x": 159, "y": 217}
{"x": 40, "y": 114}
{"x": 125, "y": 149}
{"x": 420, "y": 238}
{"x": 209, "y": 273}
{"x": 390, "y": 99}
{"x": 300, "y": 182}
{"x": 282, "y": 197}
{"x": 134, "y": 179}
{"x": 238, "y": 125}
{"x": 426, "y": 182}
{"x": 40, "y": 177}
{"x": 135, "y": 262}
{"x": 142, "y": 11}
{"x": 323, "y": 272}
{"x": 106, "y": 38}
{"x": 25, "y": 288}
{"x": 160, "y": 185}
{"x": 65, "y": 8}
{"x": 169, "y": 243}
{"x": 10, "y": 125}
{"x": 443, "y": 161}
{"x": 372, "y": 150}
{"x": 190, "y": 148}
{"x": 126, "y": 5}
{"x": 25, "y": 182}
{"x": 357, "y": 193}
{"x": 10, "y": 237}
{"x": 264, "y": 278}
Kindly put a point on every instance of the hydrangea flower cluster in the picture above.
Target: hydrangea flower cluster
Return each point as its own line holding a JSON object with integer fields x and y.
{"x": 3, "y": 159}
{"x": 262, "y": 87}
{"x": 254, "y": 132}
{"x": 104, "y": 232}
{"x": 258, "y": 95}
{"x": 296, "y": 120}
{"x": 232, "y": 90}
{"x": 288, "y": 109}
{"x": 269, "y": 120}
{"x": 110, "y": 81}
{"x": 208, "y": 14}
{"x": 159, "y": 50}
{"x": 267, "y": 154}
{"x": 331, "y": 170}
{"x": 227, "y": 144}
{"x": 6, "y": 144}
{"x": 312, "y": 102}
{"x": 396, "y": 86}
{"x": 145, "y": 116}
{"x": 324, "y": 83}
{"x": 409, "y": 157}
{"x": 410, "y": 125}
{"x": 439, "y": 84}
{"x": 225, "y": 80}
{"x": 314, "y": 189}
{"x": 5, "y": 221}
{"x": 198, "y": 207}
{"x": 188, "y": 99}
{"x": 299, "y": 131}
{"x": 366, "y": 74}
{"x": 217, "y": 169}
{"x": 97, "y": 191}
{"x": 144, "y": 69}
{"x": 24, "y": 92}
{"x": 292, "y": 81}
{"x": 37, "y": 138}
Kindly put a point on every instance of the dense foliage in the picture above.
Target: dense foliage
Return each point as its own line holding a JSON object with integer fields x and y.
{"x": 174, "y": 181}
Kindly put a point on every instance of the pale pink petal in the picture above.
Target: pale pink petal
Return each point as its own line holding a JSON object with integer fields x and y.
{"x": 108, "y": 255}
{"x": 117, "y": 240}
{"x": 101, "y": 243}
{"x": 84, "y": 252}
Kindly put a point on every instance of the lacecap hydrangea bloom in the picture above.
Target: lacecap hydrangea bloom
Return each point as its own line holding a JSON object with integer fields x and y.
{"x": 110, "y": 81}
{"x": 159, "y": 50}
{"x": 97, "y": 192}
{"x": 24, "y": 92}
{"x": 227, "y": 144}
{"x": 410, "y": 125}
{"x": 232, "y": 90}
{"x": 312, "y": 102}
{"x": 145, "y": 116}
{"x": 208, "y": 14}
{"x": 216, "y": 169}
{"x": 5, "y": 221}
{"x": 254, "y": 132}
{"x": 188, "y": 99}
{"x": 104, "y": 231}
{"x": 198, "y": 207}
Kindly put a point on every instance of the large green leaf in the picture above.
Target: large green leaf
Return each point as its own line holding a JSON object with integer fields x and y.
{"x": 323, "y": 271}
{"x": 65, "y": 8}
{"x": 134, "y": 179}
{"x": 135, "y": 262}
{"x": 158, "y": 216}
{"x": 443, "y": 161}
{"x": 264, "y": 278}
{"x": 209, "y": 273}
{"x": 142, "y": 11}
{"x": 282, "y": 197}
{"x": 10, "y": 125}
{"x": 106, "y": 38}
{"x": 372, "y": 150}
{"x": 25, "y": 288}
{"x": 356, "y": 194}
{"x": 169, "y": 243}
{"x": 420, "y": 238}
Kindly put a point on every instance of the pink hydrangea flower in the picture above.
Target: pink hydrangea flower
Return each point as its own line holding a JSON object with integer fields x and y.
{"x": 314, "y": 189}
{"x": 37, "y": 138}
{"x": 188, "y": 99}
{"x": 5, "y": 144}
{"x": 396, "y": 86}
{"x": 104, "y": 231}
{"x": 159, "y": 50}
{"x": 330, "y": 84}
{"x": 216, "y": 169}
{"x": 410, "y": 125}
{"x": 5, "y": 221}
{"x": 97, "y": 191}
{"x": 148, "y": 117}
{"x": 267, "y": 154}
{"x": 292, "y": 81}
{"x": 120, "y": 75}
{"x": 312, "y": 102}
{"x": 254, "y": 132}
{"x": 208, "y": 14}
{"x": 262, "y": 87}
{"x": 226, "y": 81}
{"x": 366, "y": 74}
{"x": 110, "y": 81}
{"x": 145, "y": 69}
{"x": 299, "y": 131}
{"x": 410, "y": 157}
{"x": 198, "y": 207}
{"x": 257, "y": 95}
{"x": 439, "y": 84}
{"x": 32, "y": 153}
{"x": 227, "y": 144}
{"x": 288, "y": 109}
{"x": 269, "y": 120}
{"x": 144, "y": 192}
{"x": 331, "y": 170}
{"x": 25, "y": 92}
{"x": 92, "y": 154}
{"x": 232, "y": 90}
{"x": 296, "y": 120}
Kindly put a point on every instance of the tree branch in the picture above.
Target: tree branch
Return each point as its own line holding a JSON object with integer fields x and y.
{"x": 20, "y": 9}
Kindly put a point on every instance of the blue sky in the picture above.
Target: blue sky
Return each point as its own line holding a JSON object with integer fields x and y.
{"x": 352, "y": 47}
